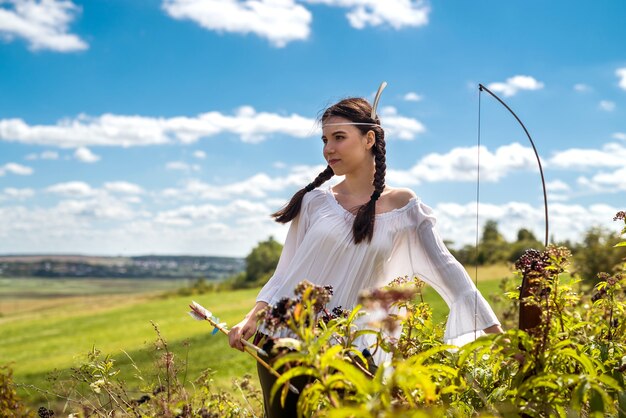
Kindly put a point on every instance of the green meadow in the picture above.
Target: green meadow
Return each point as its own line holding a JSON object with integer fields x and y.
{"x": 48, "y": 326}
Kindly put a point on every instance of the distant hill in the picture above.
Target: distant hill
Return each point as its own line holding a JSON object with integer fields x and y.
{"x": 146, "y": 266}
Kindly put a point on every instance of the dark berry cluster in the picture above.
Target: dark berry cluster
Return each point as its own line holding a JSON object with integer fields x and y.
{"x": 44, "y": 412}
{"x": 620, "y": 216}
{"x": 277, "y": 316}
{"x": 611, "y": 281}
{"x": 532, "y": 262}
{"x": 337, "y": 312}
{"x": 598, "y": 295}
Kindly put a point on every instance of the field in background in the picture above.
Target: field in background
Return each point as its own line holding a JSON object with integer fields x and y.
{"x": 51, "y": 324}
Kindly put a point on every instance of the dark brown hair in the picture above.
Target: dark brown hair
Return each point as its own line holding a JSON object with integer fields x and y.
{"x": 355, "y": 110}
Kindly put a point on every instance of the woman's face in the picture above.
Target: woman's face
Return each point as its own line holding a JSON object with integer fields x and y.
{"x": 346, "y": 149}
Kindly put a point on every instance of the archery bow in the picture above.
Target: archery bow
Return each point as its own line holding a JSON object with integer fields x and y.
{"x": 532, "y": 143}
{"x": 529, "y": 315}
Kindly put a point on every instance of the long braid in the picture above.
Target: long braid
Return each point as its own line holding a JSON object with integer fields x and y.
{"x": 292, "y": 209}
{"x": 363, "y": 227}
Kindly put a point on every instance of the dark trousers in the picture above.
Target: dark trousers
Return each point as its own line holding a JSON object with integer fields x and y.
{"x": 273, "y": 408}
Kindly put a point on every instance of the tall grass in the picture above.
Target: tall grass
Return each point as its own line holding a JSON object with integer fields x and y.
{"x": 36, "y": 342}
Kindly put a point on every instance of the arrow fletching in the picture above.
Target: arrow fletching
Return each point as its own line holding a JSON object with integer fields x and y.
{"x": 200, "y": 310}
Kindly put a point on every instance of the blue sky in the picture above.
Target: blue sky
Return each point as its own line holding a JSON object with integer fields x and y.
{"x": 177, "y": 126}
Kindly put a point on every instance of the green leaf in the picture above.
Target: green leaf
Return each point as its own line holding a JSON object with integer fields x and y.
{"x": 582, "y": 359}
{"x": 620, "y": 244}
{"x": 285, "y": 377}
{"x": 610, "y": 382}
{"x": 578, "y": 395}
{"x": 354, "y": 375}
{"x": 621, "y": 401}
{"x": 597, "y": 397}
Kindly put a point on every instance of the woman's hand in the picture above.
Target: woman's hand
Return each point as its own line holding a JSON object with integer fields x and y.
{"x": 494, "y": 329}
{"x": 246, "y": 328}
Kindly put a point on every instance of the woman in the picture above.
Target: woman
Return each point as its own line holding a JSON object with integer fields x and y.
{"x": 362, "y": 234}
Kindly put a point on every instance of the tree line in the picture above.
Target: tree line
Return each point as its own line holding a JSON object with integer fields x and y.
{"x": 595, "y": 253}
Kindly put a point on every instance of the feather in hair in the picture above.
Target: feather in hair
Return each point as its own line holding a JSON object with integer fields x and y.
{"x": 377, "y": 98}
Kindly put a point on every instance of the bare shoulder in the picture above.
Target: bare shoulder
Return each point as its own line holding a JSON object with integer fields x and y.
{"x": 399, "y": 196}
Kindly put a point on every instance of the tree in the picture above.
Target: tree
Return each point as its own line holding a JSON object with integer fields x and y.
{"x": 262, "y": 261}
{"x": 525, "y": 240}
{"x": 491, "y": 233}
{"x": 493, "y": 246}
{"x": 597, "y": 254}
{"x": 525, "y": 235}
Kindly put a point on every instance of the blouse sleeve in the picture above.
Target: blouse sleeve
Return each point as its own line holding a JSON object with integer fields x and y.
{"x": 295, "y": 235}
{"x": 421, "y": 252}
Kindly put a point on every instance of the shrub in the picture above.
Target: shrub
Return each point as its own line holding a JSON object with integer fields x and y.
{"x": 10, "y": 402}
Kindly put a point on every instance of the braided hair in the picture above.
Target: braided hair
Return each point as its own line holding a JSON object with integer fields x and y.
{"x": 355, "y": 110}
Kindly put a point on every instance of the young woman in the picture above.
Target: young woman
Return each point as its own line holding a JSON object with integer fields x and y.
{"x": 362, "y": 234}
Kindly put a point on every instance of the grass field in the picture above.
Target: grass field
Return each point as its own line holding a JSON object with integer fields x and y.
{"x": 48, "y": 325}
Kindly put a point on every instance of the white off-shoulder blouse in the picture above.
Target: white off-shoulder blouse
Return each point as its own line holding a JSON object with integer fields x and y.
{"x": 319, "y": 248}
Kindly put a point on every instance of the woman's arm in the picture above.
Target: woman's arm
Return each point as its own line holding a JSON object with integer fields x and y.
{"x": 421, "y": 252}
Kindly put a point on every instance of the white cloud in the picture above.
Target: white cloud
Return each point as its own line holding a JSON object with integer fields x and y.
{"x": 457, "y": 222}
{"x": 192, "y": 214}
{"x": 582, "y": 88}
{"x": 72, "y": 189}
{"x": 85, "y": 155}
{"x": 399, "y": 127}
{"x": 606, "y": 182}
{"x": 45, "y": 155}
{"x": 514, "y": 84}
{"x": 126, "y": 131}
{"x": 395, "y": 13}
{"x": 101, "y": 207}
{"x": 619, "y": 135}
{"x": 610, "y": 155}
{"x": 17, "y": 194}
{"x": 181, "y": 166}
{"x": 256, "y": 186}
{"x": 279, "y": 21}
{"x": 621, "y": 74}
{"x": 104, "y": 225}
{"x": 607, "y": 105}
{"x": 123, "y": 187}
{"x": 459, "y": 164}
{"x": 42, "y": 23}
{"x": 412, "y": 97}
{"x": 557, "y": 186}
{"x": 14, "y": 168}
{"x": 201, "y": 155}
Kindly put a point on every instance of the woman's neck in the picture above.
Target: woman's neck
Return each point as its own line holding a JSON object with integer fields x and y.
{"x": 358, "y": 183}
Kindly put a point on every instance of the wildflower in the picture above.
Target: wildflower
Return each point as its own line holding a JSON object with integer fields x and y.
{"x": 277, "y": 316}
{"x": 320, "y": 294}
